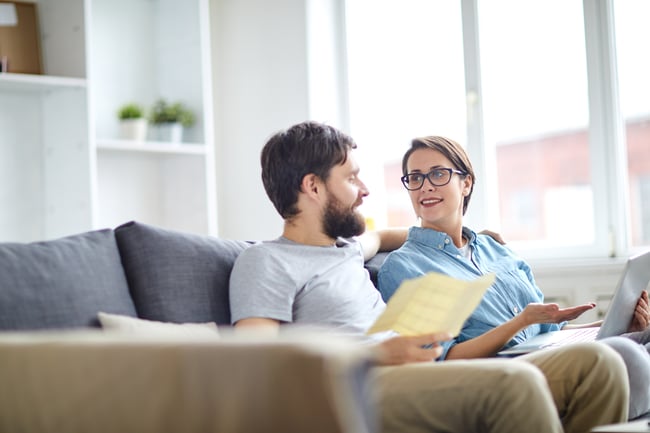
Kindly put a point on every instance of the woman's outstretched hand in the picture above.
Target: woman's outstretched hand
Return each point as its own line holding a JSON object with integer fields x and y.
{"x": 552, "y": 313}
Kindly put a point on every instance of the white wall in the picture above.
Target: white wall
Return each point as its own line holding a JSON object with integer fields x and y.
{"x": 260, "y": 70}
{"x": 262, "y": 67}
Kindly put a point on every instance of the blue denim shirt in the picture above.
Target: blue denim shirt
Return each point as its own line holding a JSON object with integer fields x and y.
{"x": 427, "y": 250}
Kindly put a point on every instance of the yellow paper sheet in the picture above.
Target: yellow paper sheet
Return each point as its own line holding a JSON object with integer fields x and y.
{"x": 432, "y": 303}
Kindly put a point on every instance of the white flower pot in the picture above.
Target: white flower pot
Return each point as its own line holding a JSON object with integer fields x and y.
{"x": 133, "y": 129}
{"x": 169, "y": 132}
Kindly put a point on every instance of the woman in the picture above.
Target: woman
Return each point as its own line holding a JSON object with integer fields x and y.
{"x": 440, "y": 180}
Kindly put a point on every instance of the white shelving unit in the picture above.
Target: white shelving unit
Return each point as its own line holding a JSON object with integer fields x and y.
{"x": 63, "y": 167}
{"x": 46, "y": 185}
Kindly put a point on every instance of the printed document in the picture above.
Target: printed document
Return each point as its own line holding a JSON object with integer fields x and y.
{"x": 432, "y": 303}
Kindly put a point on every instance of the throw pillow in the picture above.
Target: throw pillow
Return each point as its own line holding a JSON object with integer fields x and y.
{"x": 177, "y": 277}
{"x": 62, "y": 283}
{"x": 134, "y": 325}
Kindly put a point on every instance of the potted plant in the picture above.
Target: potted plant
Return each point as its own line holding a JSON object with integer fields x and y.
{"x": 133, "y": 123}
{"x": 169, "y": 119}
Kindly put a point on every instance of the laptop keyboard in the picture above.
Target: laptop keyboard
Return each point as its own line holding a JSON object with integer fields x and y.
{"x": 579, "y": 335}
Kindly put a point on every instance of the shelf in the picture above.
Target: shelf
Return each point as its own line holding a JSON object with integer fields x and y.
{"x": 151, "y": 147}
{"x": 70, "y": 170}
{"x": 38, "y": 83}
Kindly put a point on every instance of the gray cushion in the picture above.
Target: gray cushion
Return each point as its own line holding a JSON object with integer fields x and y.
{"x": 62, "y": 283}
{"x": 374, "y": 264}
{"x": 177, "y": 277}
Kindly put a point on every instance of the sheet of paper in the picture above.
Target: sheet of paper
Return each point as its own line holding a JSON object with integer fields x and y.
{"x": 432, "y": 303}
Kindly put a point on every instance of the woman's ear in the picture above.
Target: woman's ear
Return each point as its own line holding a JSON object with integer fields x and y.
{"x": 467, "y": 185}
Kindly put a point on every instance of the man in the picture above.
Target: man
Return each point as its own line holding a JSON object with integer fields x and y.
{"x": 313, "y": 274}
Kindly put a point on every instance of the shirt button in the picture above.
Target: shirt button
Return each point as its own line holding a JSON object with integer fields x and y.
{"x": 446, "y": 241}
{"x": 458, "y": 256}
{"x": 515, "y": 309}
{"x": 440, "y": 246}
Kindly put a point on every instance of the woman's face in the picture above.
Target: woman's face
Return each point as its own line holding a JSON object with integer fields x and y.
{"x": 438, "y": 207}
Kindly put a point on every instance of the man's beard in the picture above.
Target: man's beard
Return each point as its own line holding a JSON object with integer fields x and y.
{"x": 340, "y": 221}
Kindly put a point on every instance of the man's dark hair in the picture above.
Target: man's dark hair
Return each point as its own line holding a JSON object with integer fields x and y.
{"x": 289, "y": 155}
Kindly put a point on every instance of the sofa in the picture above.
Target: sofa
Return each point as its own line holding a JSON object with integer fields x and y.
{"x": 62, "y": 370}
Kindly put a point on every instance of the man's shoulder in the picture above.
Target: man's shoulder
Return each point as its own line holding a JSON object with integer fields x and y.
{"x": 258, "y": 253}
{"x": 262, "y": 261}
{"x": 352, "y": 243}
{"x": 261, "y": 246}
{"x": 283, "y": 255}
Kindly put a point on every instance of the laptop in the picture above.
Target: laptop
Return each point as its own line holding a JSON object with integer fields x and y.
{"x": 633, "y": 280}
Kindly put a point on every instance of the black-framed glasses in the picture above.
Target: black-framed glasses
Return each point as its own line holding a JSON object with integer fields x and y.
{"x": 437, "y": 177}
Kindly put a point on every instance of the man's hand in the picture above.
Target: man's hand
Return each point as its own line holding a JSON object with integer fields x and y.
{"x": 401, "y": 350}
{"x": 494, "y": 235}
{"x": 552, "y": 313}
{"x": 641, "y": 318}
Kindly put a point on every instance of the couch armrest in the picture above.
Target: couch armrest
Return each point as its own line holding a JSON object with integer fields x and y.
{"x": 99, "y": 382}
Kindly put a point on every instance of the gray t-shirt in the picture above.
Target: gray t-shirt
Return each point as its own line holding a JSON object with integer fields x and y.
{"x": 291, "y": 282}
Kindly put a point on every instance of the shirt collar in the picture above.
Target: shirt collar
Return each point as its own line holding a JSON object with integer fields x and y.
{"x": 436, "y": 239}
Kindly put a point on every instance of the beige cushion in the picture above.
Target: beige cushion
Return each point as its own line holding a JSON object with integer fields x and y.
{"x": 134, "y": 325}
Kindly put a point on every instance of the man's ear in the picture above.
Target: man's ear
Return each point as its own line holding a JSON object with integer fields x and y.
{"x": 310, "y": 185}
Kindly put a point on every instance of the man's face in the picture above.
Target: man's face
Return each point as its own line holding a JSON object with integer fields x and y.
{"x": 345, "y": 193}
{"x": 340, "y": 220}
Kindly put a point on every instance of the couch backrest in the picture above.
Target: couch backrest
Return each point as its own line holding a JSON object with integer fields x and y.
{"x": 177, "y": 277}
{"x": 134, "y": 270}
{"x": 374, "y": 264}
{"x": 62, "y": 283}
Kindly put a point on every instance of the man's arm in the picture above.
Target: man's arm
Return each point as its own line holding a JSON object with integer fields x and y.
{"x": 375, "y": 241}
{"x": 394, "y": 351}
{"x": 381, "y": 240}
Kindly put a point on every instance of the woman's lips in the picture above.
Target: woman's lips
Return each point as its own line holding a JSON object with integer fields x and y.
{"x": 427, "y": 202}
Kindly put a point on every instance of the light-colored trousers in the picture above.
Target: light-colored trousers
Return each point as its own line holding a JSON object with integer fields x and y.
{"x": 570, "y": 389}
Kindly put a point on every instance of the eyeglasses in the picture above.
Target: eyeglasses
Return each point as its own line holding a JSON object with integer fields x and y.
{"x": 437, "y": 177}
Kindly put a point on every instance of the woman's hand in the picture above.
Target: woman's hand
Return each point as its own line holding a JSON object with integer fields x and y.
{"x": 552, "y": 313}
{"x": 641, "y": 318}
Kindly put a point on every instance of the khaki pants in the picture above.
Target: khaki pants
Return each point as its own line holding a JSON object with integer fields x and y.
{"x": 570, "y": 389}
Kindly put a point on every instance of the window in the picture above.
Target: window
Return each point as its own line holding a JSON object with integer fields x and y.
{"x": 406, "y": 78}
{"x": 536, "y": 115}
{"x": 632, "y": 36}
{"x": 534, "y": 102}
{"x": 641, "y": 211}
